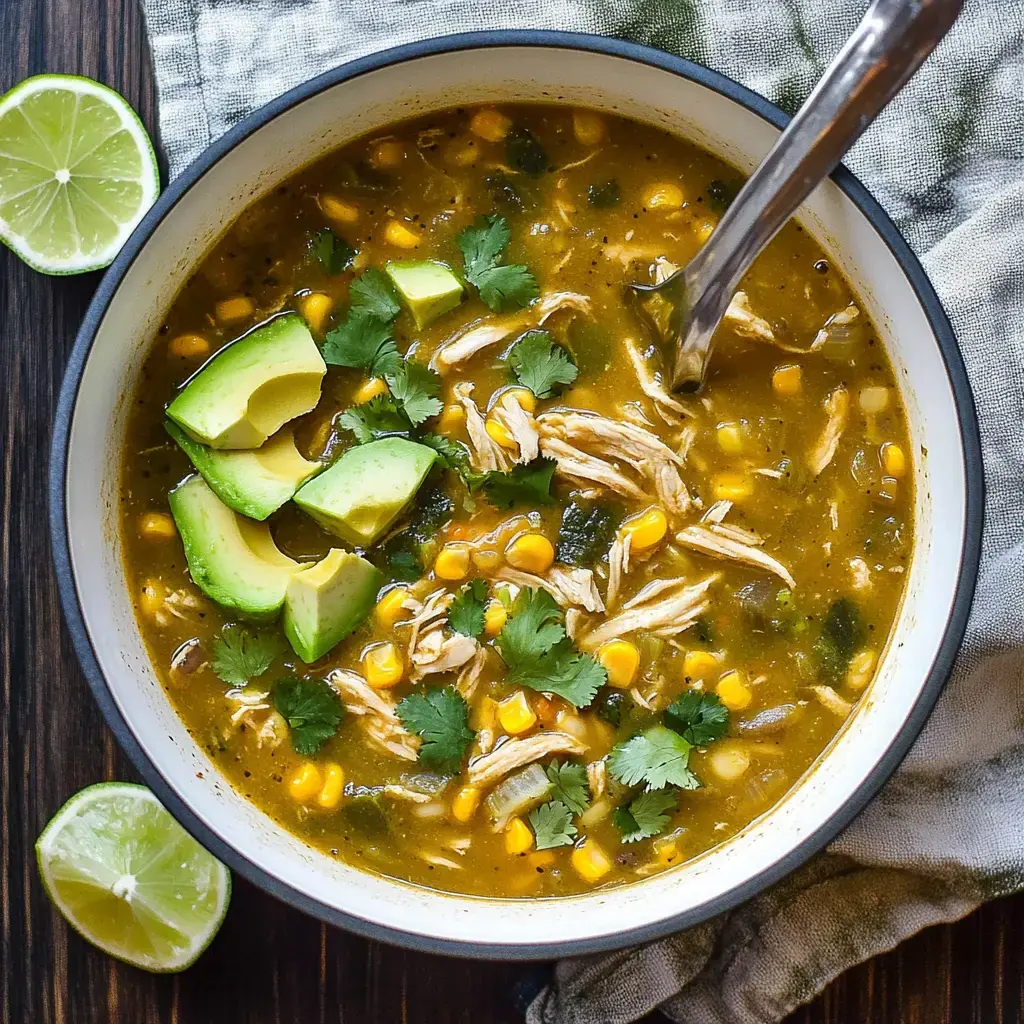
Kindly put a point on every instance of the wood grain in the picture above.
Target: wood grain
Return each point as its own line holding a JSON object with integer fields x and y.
{"x": 269, "y": 963}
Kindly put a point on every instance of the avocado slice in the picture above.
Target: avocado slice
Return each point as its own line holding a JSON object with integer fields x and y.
{"x": 252, "y": 387}
{"x": 255, "y": 482}
{"x": 367, "y": 489}
{"x": 325, "y": 602}
{"x": 233, "y": 560}
{"x": 428, "y": 288}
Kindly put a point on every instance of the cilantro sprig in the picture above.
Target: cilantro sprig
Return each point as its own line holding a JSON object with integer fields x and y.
{"x": 311, "y": 709}
{"x": 440, "y": 717}
{"x": 534, "y": 647}
{"x": 541, "y": 364}
{"x": 656, "y": 757}
{"x": 334, "y": 254}
{"x": 240, "y": 655}
{"x": 552, "y": 825}
{"x": 409, "y": 403}
{"x": 569, "y": 785}
{"x": 363, "y": 340}
{"x": 646, "y": 816}
{"x": 415, "y": 388}
{"x": 700, "y": 718}
{"x": 523, "y": 484}
{"x": 466, "y": 614}
{"x": 502, "y": 287}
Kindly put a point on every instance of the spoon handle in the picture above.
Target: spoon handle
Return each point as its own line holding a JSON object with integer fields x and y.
{"x": 889, "y": 45}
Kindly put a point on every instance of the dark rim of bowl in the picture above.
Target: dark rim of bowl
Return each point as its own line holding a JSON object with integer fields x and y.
{"x": 879, "y": 773}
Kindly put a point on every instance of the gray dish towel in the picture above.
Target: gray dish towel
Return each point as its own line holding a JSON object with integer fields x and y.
{"x": 947, "y": 162}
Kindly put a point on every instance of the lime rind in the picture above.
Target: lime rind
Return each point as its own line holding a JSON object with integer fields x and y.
{"x": 77, "y": 173}
{"x": 130, "y": 880}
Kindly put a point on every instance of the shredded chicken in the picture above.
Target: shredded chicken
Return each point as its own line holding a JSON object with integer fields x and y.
{"x": 573, "y": 620}
{"x": 828, "y": 698}
{"x": 492, "y": 330}
{"x": 861, "y": 573}
{"x": 469, "y": 677}
{"x": 569, "y": 587}
{"x": 413, "y": 796}
{"x": 435, "y": 653}
{"x": 667, "y": 407}
{"x": 597, "y": 777}
{"x": 745, "y": 322}
{"x": 515, "y": 753}
{"x": 662, "y": 610}
{"x": 717, "y": 512}
{"x": 638, "y": 448}
{"x": 520, "y": 424}
{"x": 588, "y": 469}
{"x": 729, "y": 543}
{"x": 618, "y": 566}
{"x": 427, "y": 616}
{"x": 438, "y": 861}
{"x": 376, "y": 714}
{"x": 487, "y": 454}
{"x": 837, "y": 405}
{"x": 843, "y": 319}
{"x": 272, "y": 732}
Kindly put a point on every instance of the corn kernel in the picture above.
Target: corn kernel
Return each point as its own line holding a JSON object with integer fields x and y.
{"x": 338, "y": 210}
{"x": 305, "y": 782}
{"x": 733, "y": 691}
{"x": 396, "y": 233}
{"x": 486, "y": 559}
{"x": 728, "y": 761}
{"x": 387, "y": 154}
{"x": 541, "y": 858}
{"x": 515, "y": 714}
{"x": 315, "y": 310}
{"x": 490, "y": 124}
{"x": 873, "y": 400}
{"x": 370, "y": 389}
{"x": 590, "y": 862}
{"x": 787, "y": 381}
{"x": 588, "y": 127}
{"x": 518, "y": 837}
{"x": 668, "y": 854}
{"x": 334, "y": 783}
{"x": 621, "y": 659}
{"x": 646, "y": 530}
{"x": 494, "y": 618}
{"x": 465, "y": 803}
{"x": 665, "y": 196}
{"x": 151, "y": 598}
{"x": 157, "y": 526}
{"x": 238, "y": 307}
{"x": 484, "y": 715}
{"x": 453, "y": 419}
{"x": 462, "y": 153}
{"x": 452, "y": 562}
{"x": 500, "y": 435}
{"x": 389, "y": 608}
{"x": 531, "y": 552}
{"x": 730, "y": 438}
{"x": 189, "y": 346}
{"x": 894, "y": 462}
{"x": 731, "y": 486}
{"x": 704, "y": 230}
{"x": 699, "y": 664}
{"x": 524, "y": 396}
{"x": 862, "y": 668}
{"x": 382, "y": 666}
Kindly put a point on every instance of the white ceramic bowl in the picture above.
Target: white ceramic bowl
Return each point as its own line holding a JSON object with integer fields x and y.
{"x": 286, "y": 135}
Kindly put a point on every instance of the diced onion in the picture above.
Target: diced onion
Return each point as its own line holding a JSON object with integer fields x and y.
{"x": 873, "y": 400}
{"x": 516, "y": 794}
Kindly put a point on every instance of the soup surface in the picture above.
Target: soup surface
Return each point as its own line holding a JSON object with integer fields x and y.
{"x": 491, "y": 610}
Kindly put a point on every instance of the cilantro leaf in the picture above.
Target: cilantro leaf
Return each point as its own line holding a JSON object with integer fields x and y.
{"x": 657, "y": 757}
{"x": 540, "y": 364}
{"x": 374, "y": 293}
{"x": 570, "y": 785}
{"x": 239, "y": 654}
{"x": 645, "y": 816}
{"x": 362, "y": 341}
{"x": 528, "y": 484}
{"x": 311, "y": 709}
{"x": 416, "y": 386}
{"x": 525, "y": 153}
{"x": 440, "y": 717}
{"x": 552, "y": 825}
{"x": 605, "y": 195}
{"x": 466, "y": 614}
{"x": 334, "y": 253}
{"x": 379, "y": 417}
{"x": 451, "y": 454}
{"x": 564, "y": 671}
{"x": 700, "y": 718}
{"x": 501, "y": 287}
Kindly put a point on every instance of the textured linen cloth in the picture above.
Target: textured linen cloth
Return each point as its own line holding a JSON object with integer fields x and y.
{"x": 947, "y": 162}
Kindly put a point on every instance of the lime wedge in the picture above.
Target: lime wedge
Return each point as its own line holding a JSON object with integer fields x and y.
{"x": 130, "y": 879}
{"x": 77, "y": 173}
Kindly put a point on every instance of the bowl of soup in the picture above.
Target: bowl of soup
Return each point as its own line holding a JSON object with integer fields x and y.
{"x": 401, "y": 575}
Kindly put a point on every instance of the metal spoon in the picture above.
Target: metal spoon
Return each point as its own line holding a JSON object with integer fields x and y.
{"x": 889, "y": 45}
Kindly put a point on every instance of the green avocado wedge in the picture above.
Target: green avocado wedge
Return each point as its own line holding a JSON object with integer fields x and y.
{"x": 428, "y": 288}
{"x": 233, "y": 560}
{"x": 325, "y": 602}
{"x": 253, "y": 386}
{"x": 367, "y": 489}
{"x": 254, "y": 482}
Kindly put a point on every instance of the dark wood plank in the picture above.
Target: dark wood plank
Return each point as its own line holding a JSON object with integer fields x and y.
{"x": 269, "y": 964}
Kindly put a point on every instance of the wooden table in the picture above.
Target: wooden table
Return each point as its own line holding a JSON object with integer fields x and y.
{"x": 269, "y": 962}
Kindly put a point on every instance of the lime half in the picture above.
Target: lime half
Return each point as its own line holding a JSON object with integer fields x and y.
{"x": 130, "y": 879}
{"x": 77, "y": 173}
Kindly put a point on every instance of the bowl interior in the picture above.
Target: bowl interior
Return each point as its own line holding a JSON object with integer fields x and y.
{"x": 187, "y": 225}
